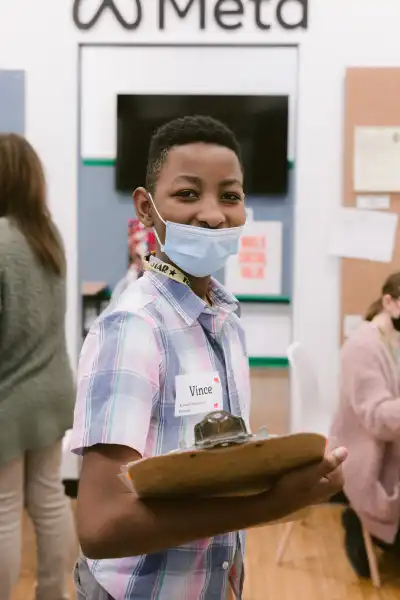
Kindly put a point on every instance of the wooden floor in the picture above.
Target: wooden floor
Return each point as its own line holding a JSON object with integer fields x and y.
{"x": 315, "y": 567}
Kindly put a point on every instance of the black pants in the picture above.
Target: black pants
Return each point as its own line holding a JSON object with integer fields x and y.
{"x": 341, "y": 498}
{"x": 354, "y": 540}
{"x": 355, "y": 527}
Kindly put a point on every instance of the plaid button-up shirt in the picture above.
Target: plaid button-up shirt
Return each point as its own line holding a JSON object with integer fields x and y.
{"x": 158, "y": 329}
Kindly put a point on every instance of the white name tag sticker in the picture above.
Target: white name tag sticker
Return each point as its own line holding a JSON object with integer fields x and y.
{"x": 197, "y": 394}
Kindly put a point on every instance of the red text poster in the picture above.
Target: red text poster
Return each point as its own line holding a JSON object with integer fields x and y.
{"x": 257, "y": 268}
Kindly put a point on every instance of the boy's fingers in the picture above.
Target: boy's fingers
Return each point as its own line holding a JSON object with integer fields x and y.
{"x": 326, "y": 474}
{"x": 332, "y": 461}
{"x": 326, "y": 488}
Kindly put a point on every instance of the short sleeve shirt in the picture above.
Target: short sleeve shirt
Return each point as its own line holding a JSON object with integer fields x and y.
{"x": 156, "y": 330}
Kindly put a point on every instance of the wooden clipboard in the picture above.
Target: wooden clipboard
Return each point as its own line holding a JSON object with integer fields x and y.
{"x": 225, "y": 461}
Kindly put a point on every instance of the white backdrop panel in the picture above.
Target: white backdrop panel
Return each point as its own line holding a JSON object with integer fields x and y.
{"x": 111, "y": 70}
{"x": 268, "y": 329}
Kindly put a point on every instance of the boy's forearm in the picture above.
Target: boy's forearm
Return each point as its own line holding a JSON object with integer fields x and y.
{"x": 131, "y": 527}
{"x": 114, "y": 524}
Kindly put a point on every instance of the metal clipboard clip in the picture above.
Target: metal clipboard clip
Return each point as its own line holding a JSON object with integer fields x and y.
{"x": 220, "y": 429}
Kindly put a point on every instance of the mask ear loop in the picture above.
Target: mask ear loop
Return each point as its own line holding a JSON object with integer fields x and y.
{"x": 161, "y": 219}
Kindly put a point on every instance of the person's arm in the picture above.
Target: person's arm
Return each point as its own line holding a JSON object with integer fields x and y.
{"x": 364, "y": 382}
{"x": 114, "y": 523}
{"x": 118, "y": 385}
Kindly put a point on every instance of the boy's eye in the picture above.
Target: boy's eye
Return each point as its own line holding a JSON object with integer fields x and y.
{"x": 231, "y": 197}
{"x": 187, "y": 194}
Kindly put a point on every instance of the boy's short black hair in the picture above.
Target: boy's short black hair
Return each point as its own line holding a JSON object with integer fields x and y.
{"x": 182, "y": 131}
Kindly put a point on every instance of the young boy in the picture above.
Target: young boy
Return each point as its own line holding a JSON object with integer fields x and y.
{"x": 175, "y": 325}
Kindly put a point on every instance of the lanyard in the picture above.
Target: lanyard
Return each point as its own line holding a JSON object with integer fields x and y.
{"x": 166, "y": 269}
{"x": 169, "y": 271}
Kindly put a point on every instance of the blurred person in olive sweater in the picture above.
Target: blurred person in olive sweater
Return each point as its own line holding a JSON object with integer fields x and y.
{"x": 37, "y": 391}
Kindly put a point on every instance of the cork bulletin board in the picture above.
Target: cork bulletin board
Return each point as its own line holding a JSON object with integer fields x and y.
{"x": 372, "y": 98}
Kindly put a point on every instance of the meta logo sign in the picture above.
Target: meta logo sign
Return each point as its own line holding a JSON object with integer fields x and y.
{"x": 228, "y": 15}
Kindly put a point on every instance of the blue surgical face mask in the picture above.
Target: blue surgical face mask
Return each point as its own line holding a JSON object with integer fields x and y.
{"x": 198, "y": 251}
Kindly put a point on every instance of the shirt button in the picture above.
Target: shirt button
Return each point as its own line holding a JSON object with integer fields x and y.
{"x": 225, "y": 565}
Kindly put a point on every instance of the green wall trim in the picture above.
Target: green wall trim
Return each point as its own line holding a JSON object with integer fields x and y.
{"x": 110, "y": 162}
{"x": 266, "y": 299}
{"x": 98, "y": 162}
{"x": 268, "y": 362}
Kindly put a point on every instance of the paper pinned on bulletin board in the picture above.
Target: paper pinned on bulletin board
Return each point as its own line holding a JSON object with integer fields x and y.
{"x": 257, "y": 268}
{"x": 377, "y": 159}
{"x": 363, "y": 234}
{"x": 373, "y": 202}
{"x": 351, "y": 323}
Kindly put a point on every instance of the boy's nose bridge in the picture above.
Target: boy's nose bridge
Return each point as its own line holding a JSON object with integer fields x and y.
{"x": 211, "y": 211}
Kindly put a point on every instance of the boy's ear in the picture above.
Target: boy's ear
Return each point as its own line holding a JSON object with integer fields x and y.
{"x": 143, "y": 207}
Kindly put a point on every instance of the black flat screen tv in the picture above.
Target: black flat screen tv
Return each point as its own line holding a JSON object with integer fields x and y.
{"x": 259, "y": 122}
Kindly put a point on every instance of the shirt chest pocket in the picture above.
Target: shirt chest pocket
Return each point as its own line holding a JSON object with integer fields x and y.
{"x": 190, "y": 391}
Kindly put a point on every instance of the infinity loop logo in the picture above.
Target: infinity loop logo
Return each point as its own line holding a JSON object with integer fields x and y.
{"x": 106, "y": 4}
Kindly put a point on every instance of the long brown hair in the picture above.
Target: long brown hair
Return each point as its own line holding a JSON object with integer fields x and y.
{"x": 23, "y": 201}
{"x": 391, "y": 287}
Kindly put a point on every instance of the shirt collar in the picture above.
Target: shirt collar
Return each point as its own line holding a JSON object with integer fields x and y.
{"x": 185, "y": 301}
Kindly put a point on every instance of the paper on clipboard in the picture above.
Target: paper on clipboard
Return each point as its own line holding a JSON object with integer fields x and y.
{"x": 363, "y": 234}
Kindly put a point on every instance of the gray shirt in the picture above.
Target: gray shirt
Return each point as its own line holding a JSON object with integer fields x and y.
{"x": 37, "y": 391}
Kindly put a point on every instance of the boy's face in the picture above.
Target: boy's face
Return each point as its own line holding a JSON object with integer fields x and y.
{"x": 199, "y": 184}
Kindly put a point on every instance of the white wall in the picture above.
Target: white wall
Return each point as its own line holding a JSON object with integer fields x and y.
{"x": 274, "y": 321}
{"x": 344, "y": 33}
{"x": 40, "y": 38}
{"x": 111, "y": 70}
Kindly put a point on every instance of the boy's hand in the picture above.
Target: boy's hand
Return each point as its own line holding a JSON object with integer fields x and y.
{"x": 307, "y": 486}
